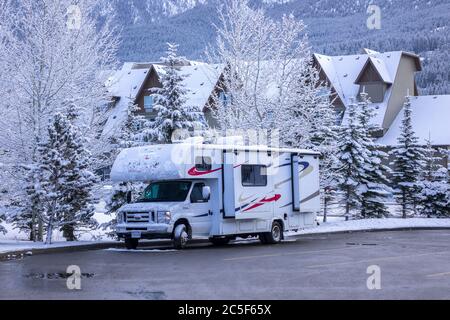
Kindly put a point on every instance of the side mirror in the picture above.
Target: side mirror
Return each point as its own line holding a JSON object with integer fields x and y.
{"x": 129, "y": 197}
{"x": 206, "y": 193}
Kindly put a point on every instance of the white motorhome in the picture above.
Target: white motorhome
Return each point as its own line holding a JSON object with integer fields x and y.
{"x": 217, "y": 191}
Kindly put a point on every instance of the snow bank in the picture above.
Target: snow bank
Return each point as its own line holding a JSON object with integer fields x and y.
{"x": 13, "y": 245}
{"x": 375, "y": 224}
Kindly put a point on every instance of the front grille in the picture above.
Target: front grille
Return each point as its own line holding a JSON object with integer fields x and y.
{"x": 137, "y": 217}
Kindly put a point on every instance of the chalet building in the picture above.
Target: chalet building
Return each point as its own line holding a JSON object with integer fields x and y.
{"x": 136, "y": 83}
{"x": 387, "y": 78}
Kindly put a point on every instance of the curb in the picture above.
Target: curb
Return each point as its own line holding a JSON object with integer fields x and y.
{"x": 87, "y": 247}
{"x": 119, "y": 245}
{"x": 372, "y": 230}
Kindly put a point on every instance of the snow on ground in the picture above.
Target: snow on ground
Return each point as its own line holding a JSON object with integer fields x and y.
{"x": 13, "y": 245}
{"x": 338, "y": 225}
{"x": 143, "y": 250}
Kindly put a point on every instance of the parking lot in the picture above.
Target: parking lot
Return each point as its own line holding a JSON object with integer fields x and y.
{"x": 411, "y": 265}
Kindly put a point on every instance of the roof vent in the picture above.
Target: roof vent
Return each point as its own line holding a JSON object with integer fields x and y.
{"x": 135, "y": 87}
{"x": 345, "y": 75}
{"x": 202, "y": 83}
{"x": 435, "y": 97}
{"x": 340, "y": 59}
{"x": 357, "y": 58}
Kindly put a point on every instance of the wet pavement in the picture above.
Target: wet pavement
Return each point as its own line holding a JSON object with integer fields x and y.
{"x": 411, "y": 265}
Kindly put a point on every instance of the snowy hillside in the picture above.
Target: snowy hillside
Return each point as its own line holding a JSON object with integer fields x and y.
{"x": 335, "y": 27}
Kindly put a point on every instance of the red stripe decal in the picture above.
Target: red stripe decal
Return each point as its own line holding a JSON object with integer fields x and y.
{"x": 264, "y": 201}
{"x": 195, "y": 172}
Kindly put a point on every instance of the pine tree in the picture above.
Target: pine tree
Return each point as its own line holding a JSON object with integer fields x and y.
{"x": 134, "y": 133}
{"x": 352, "y": 159}
{"x": 375, "y": 188}
{"x": 408, "y": 163}
{"x": 2, "y": 219}
{"x": 27, "y": 218}
{"x": 434, "y": 188}
{"x": 79, "y": 181}
{"x": 170, "y": 102}
{"x": 65, "y": 182}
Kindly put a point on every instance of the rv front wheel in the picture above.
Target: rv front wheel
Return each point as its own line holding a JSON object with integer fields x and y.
{"x": 180, "y": 237}
{"x": 275, "y": 235}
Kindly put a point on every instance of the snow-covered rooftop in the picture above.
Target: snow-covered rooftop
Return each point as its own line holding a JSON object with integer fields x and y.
{"x": 430, "y": 119}
{"x": 200, "y": 80}
{"x": 343, "y": 71}
{"x": 126, "y": 84}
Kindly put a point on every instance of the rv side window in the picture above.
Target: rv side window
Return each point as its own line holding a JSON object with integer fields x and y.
{"x": 203, "y": 163}
{"x": 254, "y": 176}
{"x": 197, "y": 193}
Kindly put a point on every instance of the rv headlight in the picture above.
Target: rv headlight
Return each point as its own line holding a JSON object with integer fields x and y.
{"x": 120, "y": 217}
{"x": 164, "y": 217}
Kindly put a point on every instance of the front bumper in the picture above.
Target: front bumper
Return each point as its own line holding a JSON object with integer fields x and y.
{"x": 146, "y": 231}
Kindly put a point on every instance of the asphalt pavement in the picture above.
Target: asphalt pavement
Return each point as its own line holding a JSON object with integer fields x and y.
{"x": 371, "y": 265}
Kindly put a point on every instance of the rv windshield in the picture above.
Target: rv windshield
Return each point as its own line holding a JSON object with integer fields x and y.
{"x": 170, "y": 191}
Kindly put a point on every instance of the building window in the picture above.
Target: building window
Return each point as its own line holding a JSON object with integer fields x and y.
{"x": 148, "y": 103}
{"x": 375, "y": 91}
{"x": 254, "y": 176}
{"x": 224, "y": 98}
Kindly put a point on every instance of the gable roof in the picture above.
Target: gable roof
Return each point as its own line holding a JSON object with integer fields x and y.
{"x": 343, "y": 72}
{"x": 430, "y": 119}
{"x": 200, "y": 79}
{"x": 127, "y": 84}
{"x": 379, "y": 66}
{"x": 124, "y": 85}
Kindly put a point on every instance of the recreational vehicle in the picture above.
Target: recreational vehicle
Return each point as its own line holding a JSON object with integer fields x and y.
{"x": 218, "y": 191}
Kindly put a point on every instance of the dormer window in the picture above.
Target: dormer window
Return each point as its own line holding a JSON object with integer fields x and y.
{"x": 148, "y": 103}
{"x": 224, "y": 98}
{"x": 374, "y": 79}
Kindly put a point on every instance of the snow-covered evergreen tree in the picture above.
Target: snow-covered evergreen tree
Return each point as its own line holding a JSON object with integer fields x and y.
{"x": 434, "y": 188}
{"x": 64, "y": 181}
{"x": 407, "y": 162}
{"x": 353, "y": 158}
{"x": 375, "y": 189}
{"x": 44, "y": 61}
{"x": 79, "y": 180}
{"x": 170, "y": 101}
{"x": 2, "y": 219}
{"x": 133, "y": 133}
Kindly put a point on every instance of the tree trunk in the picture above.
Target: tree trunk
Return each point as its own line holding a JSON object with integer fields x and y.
{"x": 69, "y": 232}
{"x": 40, "y": 230}
{"x": 48, "y": 240}
{"x": 33, "y": 227}
{"x": 404, "y": 205}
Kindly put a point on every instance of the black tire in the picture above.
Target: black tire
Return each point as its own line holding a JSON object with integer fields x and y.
{"x": 131, "y": 244}
{"x": 180, "y": 236}
{"x": 262, "y": 238}
{"x": 220, "y": 241}
{"x": 275, "y": 235}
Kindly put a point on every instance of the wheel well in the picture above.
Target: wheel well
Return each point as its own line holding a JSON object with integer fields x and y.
{"x": 186, "y": 223}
